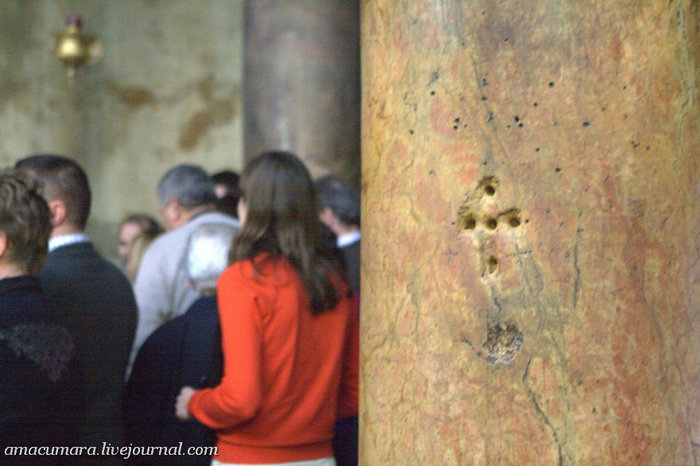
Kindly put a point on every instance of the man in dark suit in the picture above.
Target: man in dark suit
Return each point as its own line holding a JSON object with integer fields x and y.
{"x": 92, "y": 295}
{"x": 340, "y": 212}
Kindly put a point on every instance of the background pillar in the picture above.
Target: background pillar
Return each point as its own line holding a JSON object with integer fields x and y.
{"x": 531, "y": 264}
{"x": 302, "y": 82}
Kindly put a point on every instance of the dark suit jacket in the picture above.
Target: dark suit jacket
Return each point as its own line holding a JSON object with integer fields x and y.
{"x": 184, "y": 351}
{"x": 39, "y": 386}
{"x": 346, "y": 435}
{"x": 351, "y": 252}
{"x": 97, "y": 302}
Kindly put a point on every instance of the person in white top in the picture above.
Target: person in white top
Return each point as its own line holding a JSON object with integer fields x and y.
{"x": 186, "y": 195}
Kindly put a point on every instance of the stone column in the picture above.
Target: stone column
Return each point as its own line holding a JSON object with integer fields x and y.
{"x": 531, "y": 264}
{"x": 302, "y": 82}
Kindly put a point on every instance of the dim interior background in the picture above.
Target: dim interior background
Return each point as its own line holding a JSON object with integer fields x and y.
{"x": 167, "y": 90}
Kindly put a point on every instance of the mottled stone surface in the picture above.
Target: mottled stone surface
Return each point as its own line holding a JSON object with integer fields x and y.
{"x": 531, "y": 217}
{"x": 167, "y": 91}
{"x": 302, "y": 82}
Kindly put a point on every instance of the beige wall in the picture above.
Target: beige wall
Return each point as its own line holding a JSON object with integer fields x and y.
{"x": 167, "y": 91}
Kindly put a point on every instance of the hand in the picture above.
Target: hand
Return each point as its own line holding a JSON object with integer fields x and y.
{"x": 181, "y": 403}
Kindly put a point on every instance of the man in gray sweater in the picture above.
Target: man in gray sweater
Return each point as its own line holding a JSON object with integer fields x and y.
{"x": 186, "y": 195}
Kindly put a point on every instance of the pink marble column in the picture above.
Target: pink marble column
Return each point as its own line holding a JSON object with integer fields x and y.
{"x": 531, "y": 233}
{"x": 302, "y": 82}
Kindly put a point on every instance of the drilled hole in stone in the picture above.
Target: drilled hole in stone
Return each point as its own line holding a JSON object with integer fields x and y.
{"x": 488, "y": 185}
{"x": 469, "y": 222}
{"x": 491, "y": 223}
{"x": 492, "y": 264}
{"x": 512, "y": 217}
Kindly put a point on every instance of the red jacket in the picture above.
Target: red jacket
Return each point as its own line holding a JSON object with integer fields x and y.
{"x": 288, "y": 374}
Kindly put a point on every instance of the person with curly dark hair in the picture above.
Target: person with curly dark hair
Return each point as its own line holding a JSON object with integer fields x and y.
{"x": 38, "y": 386}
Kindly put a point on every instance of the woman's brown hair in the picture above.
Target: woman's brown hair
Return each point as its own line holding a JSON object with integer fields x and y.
{"x": 26, "y": 221}
{"x": 282, "y": 219}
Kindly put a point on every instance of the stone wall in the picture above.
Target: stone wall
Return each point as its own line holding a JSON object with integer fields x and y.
{"x": 167, "y": 91}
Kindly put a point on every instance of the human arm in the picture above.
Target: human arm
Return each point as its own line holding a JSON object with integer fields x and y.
{"x": 181, "y": 403}
{"x": 239, "y": 395}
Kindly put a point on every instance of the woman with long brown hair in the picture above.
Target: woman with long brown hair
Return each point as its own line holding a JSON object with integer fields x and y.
{"x": 289, "y": 329}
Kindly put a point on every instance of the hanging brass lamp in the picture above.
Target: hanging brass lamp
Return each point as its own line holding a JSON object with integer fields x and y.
{"x": 75, "y": 49}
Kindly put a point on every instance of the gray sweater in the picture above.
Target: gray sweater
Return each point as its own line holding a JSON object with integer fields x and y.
{"x": 162, "y": 288}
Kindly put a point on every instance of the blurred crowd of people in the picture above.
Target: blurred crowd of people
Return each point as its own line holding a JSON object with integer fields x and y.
{"x": 232, "y": 321}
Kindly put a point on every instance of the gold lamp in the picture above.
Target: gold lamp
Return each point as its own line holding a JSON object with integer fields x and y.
{"x": 75, "y": 49}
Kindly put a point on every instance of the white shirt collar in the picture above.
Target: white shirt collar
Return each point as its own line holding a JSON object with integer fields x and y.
{"x": 65, "y": 240}
{"x": 347, "y": 239}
